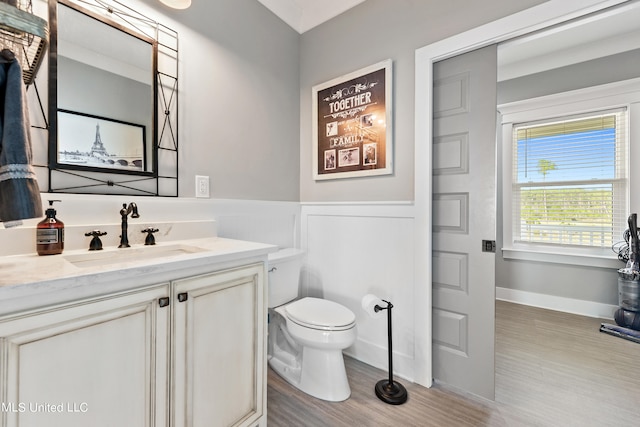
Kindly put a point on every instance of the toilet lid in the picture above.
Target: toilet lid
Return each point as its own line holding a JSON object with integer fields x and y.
{"x": 320, "y": 313}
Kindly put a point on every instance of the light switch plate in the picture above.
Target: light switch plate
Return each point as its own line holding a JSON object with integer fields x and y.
{"x": 202, "y": 186}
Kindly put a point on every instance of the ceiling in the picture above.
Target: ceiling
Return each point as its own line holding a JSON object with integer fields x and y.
{"x": 302, "y": 15}
{"x": 606, "y": 33}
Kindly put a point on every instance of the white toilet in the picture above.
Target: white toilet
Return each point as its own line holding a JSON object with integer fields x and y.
{"x": 307, "y": 336}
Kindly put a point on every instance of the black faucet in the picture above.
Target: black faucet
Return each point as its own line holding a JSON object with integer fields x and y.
{"x": 124, "y": 212}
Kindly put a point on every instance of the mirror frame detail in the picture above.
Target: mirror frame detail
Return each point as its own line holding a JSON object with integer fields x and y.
{"x": 158, "y": 176}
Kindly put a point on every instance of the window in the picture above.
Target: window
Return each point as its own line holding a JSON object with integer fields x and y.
{"x": 565, "y": 174}
{"x": 570, "y": 180}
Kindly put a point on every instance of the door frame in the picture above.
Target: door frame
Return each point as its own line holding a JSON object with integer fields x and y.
{"x": 538, "y": 17}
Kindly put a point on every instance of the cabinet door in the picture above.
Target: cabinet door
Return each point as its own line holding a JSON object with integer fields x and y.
{"x": 219, "y": 349}
{"x": 102, "y": 362}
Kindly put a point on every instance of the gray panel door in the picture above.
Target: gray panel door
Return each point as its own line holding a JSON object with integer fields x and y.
{"x": 464, "y": 214}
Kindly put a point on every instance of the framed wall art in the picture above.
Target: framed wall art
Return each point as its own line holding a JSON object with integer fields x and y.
{"x": 91, "y": 142}
{"x": 352, "y": 124}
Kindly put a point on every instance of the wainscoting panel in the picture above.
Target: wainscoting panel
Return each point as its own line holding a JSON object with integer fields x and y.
{"x": 276, "y": 223}
{"x": 357, "y": 249}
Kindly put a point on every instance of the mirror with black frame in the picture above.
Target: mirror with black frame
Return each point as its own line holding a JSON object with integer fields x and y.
{"x": 102, "y": 104}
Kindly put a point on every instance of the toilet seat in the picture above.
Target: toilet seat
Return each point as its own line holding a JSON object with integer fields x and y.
{"x": 316, "y": 313}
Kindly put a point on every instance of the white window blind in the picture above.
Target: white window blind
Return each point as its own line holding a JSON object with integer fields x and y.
{"x": 570, "y": 180}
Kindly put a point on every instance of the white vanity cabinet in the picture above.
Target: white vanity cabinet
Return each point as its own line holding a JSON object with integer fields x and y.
{"x": 186, "y": 353}
{"x": 219, "y": 350}
{"x": 99, "y": 362}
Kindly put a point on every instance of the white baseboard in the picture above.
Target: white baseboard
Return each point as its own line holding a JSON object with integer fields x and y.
{"x": 550, "y": 302}
{"x": 378, "y": 357}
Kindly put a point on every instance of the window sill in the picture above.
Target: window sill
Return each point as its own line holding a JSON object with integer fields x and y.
{"x": 587, "y": 260}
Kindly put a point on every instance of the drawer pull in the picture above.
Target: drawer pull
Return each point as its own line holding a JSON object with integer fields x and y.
{"x": 182, "y": 297}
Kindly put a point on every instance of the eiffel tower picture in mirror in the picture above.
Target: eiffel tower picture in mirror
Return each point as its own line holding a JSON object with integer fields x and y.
{"x": 97, "y": 149}
{"x": 92, "y": 142}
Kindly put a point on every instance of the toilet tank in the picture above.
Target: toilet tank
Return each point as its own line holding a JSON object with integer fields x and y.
{"x": 284, "y": 275}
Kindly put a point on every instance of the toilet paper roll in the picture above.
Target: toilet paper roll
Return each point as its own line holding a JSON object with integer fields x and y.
{"x": 369, "y": 302}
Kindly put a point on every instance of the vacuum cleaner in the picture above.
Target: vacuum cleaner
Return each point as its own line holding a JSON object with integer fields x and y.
{"x": 627, "y": 316}
{"x": 619, "y": 331}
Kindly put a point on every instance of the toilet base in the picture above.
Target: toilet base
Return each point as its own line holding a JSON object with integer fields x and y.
{"x": 321, "y": 375}
{"x": 324, "y": 375}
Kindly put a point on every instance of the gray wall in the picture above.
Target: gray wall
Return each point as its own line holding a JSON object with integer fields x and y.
{"x": 371, "y": 32}
{"x": 245, "y": 89}
{"x": 608, "y": 69}
{"x": 239, "y": 99}
{"x": 575, "y": 282}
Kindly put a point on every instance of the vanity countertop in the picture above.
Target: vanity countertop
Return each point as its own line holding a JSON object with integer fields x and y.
{"x": 32, "y": 281}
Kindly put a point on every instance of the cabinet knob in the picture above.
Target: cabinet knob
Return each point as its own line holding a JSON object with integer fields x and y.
{"x": 182, "y": 297}
{"x": 163, "y": 302}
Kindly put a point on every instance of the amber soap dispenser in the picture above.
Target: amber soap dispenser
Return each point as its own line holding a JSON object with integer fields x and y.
{"x": 50, "y": 233}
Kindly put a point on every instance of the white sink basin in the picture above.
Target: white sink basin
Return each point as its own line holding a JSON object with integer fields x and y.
{"x": 143, "y": 253}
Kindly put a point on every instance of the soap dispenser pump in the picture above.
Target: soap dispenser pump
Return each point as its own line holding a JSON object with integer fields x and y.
{"x": 50, "y": 233}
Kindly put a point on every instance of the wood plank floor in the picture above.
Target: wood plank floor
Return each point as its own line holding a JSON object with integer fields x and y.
{"x": 552, "y": 369}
